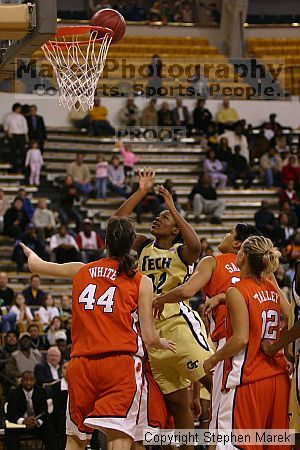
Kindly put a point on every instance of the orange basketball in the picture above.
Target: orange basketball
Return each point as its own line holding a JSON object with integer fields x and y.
{"x": 112, "y": 19}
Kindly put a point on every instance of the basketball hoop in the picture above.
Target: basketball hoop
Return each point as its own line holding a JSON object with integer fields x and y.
{"x": 78, "y": 63}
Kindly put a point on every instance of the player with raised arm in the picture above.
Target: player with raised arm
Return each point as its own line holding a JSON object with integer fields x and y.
{"x": 167, "y": 260}
{"x": 104, "y": 375}
{"x": 255, "y": 387}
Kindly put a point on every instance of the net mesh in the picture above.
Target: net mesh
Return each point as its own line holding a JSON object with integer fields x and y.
{"x": 77, "y": 67}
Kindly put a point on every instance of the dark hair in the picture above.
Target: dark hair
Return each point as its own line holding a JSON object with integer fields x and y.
{"x": 244, "y": 230}
{"x": 32, "y": 325}
{"x": 33, "y": 141}
{"x": 35, "y": 275}
{"x": 120, "y": 236}
{"x": 16, "y": 106}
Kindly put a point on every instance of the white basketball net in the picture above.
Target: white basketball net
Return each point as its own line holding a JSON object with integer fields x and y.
{"x": 77, "y": 68}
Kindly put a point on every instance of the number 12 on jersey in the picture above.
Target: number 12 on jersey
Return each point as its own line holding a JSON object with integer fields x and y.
{"x": 106, "y": 300}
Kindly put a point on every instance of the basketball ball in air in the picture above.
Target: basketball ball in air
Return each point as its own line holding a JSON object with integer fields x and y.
{"x": 110, "y": 18}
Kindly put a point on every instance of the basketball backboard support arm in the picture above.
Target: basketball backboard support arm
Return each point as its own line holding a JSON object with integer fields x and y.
{"x": 42, "y": 28}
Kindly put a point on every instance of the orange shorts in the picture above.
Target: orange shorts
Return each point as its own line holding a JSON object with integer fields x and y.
{"x": 259, "y": 405}
{"x": 101, "y": 396}
{"x": 153, "y": 413}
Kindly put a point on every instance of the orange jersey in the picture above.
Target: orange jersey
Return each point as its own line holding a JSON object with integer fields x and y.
{"x": 251, "y": 364}
{"x": 104, "y": 310}
{"x": 225, "y": 275}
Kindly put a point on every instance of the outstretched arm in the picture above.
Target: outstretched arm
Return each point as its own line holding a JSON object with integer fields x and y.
{"x": 270, "y": 348}
{"x": 38, "y": 265}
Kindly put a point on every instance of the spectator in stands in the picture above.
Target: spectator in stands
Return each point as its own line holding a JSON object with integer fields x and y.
{"x": 265, "y": 220}
{"x": 181, "y": 116}
{"x": 4, "y": 205}
{"x": 155, "y": 76}
{"x": 283, "y": 280}
{"x": 202, "y": 117}
{"x": 26, "y": 201}
{"x": 204, "y": 199}
{"x": 38, "y": 341}
{"x": 90, "y": 243}
{"x": 47, "y": 311}
{"x": 213, "y": 167}
{"x": 279, "y": 141}
{"x": 15, "y": 219}
{"x": 129, "y": 114}
{"x": 129, "y": 160}
{"x": 149, "y": 114}
{"x": 288, "y": 194}
{"x": 206, "y": 249}
{"x": 24, "y": 359}
{"x": 238, "y": 168}
{"x": 34, "y": 161}
{"x": 63, "y": 246}
{"x": 164, "y": 115}
{"x": 166, "y": 12}
{"x": 62, "y": 344}
{"x": 138, "y": 12}
{"x": 36, "y": 127}
{"x": 67, "y": 209}
{"x": 116, "y": 177}
{"x": 6, "y": 293}
{"x": 293, "y": 249}
{"x": 291, "y": 171}
{"x": 50, "y": 369}
{"x": 81, "y": 175}
{"x": 8, "y": 319}
{"x": 226, "y": 115}
{"x": 259, "y": 146}
{"x": 199, "y": 84}
{"x": 43, "y": 219}
{"x": 33, "y": 294}
{"x": 99, "y": 125}
{"x": 284, "y": 232}
{"x": 272, "y": 124}
{"x": 271, "y": 164}
{"x": 287, "y": 209}
{"x": 101, "y": 177}
{"x": 16, "y": 129}
{"x": 65, "y": 309}
{"x": 79, "y": 118}
{"x": 224, "y": 153}
{"x": 168, "y": 184}
{"x": 22, "y": 313}
{"x": 32, "y": 240}
{"x": 236, "y": 137}
{"x": 268, "y": 132}
{"x": 55, "y": 325}
{"x": 27, "y": 405}
{"x": 11, "y": 342}
{"x": 185, "y": 13}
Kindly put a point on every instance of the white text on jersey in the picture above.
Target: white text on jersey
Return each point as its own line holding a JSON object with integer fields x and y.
{"x": 266, "y": 296}
{"x": 104, "y": 272}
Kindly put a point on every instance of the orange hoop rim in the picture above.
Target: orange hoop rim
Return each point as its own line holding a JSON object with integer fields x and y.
{"x": 77, "y": 31}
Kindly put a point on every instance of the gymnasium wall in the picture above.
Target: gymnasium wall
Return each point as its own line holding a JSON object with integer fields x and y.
{"x": 254, "y": 111}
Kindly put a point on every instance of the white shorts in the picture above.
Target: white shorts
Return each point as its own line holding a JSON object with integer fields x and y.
{"x": 216, "y": 392}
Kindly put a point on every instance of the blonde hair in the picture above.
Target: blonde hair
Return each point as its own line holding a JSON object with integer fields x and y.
{"x": 263, "y": 257}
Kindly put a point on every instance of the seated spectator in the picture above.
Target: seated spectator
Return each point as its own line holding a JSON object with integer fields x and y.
{"x": 291, "y": 171}
{"x": 164, "y": 116}
{"x": 33, "y": 294}
{"x": 226, "y": 115}
{"x": 27, "y": 204}
{"x": 50, "y": 369}
{"x": 62, "y": 344}
{"x": 63, "y": 246}
{"x": 129, "y": 160}
{"x": 204, "y": 200}
{"x": 4, "y": 205}
{"x": 67, "y": 209}
{"x": 293, "y": 249}
{"x": 90, "y": 243}
{"x": 79, "y": 119}
{"x": 236, "y": 137}
{"x": 213, "y": 167}
{"x": 129, "y": 114}
{"x": 224, "y": 153}
{"x": 47, "y": 311}
{"x": 11, "y": 342}
{"x": 259, "y": 146}
{"x": 101, "y": 176}
{"x": 65, "y": 309}
{"x": 149, "y": 114}
{"x": 38, "y": 341}
{"x": 287, "y": 209}
{"x": 265, "y": 220}
{"x": 22, "y": 313}
{"x": 81, "y": 175}
{"x": 6, "y": 293}
{"x": 55, "y": 325}
{"x": 288, "y": 194}
{"x": 202, "y": 117}
{"x": 15, "y": 219}
{"x": 181, "y": 116}
{"x": 116, "y": 177}
{"x": 27, "y": 404}
{"x": 279, "y": 141}
{"x": 271, "y": 164}
{"x": 283, "y": 231}
{"x": 32, "y": 240}
{"x": 99, "y": 125}
{"x": 43, "y": 219}
{"x": 238, "y": 169}
{"x": 24, "y": 359}
{"x": 283, "y": 280}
